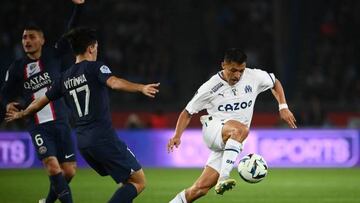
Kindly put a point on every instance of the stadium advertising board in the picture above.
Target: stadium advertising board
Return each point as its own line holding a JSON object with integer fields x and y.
{"x": 16, "y": 150}
{"x": 280, "y": 148}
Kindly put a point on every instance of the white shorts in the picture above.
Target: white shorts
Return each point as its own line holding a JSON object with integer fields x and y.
{"x": 211, "y": 130}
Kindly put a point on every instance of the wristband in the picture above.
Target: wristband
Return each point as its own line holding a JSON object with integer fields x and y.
{"x": 283, "y": 106}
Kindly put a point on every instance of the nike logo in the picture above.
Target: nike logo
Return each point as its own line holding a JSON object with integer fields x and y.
{"x": 68, "y": 156}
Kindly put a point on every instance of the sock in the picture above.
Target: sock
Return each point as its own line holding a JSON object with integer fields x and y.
{"x": 179, "y": 198}
{"x": 61, "y": 188}
{"x": 231, "y": 152}
{"x": 125, "y": 194}
{"x": 52, "y": 196}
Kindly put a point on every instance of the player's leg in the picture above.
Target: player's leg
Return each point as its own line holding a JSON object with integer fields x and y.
{"x": 45, "y": 142}
{"x": 66, "y": 151}
{"x": 127, "y": 170}
{"x": 200, "y": 187}
{"x": 59, "y": 185}
{"x": 69, "y": 170}
{"x": 233, "y": 134}
{"x": 116, "y": 159}
{"x": 205, "y": 182}
{"x": 130, "y": 189}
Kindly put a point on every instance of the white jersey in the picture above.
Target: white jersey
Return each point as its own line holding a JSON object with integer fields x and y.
{"x": 235, "y": 102}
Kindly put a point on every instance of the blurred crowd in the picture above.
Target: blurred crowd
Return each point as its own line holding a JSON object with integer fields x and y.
{"x": 181, "y": 43}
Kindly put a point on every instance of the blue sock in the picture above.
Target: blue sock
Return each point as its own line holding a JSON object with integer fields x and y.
{"x": 52, "y": 196}
{"x": 61, "y": 188}
{"x": 125, "y": 194}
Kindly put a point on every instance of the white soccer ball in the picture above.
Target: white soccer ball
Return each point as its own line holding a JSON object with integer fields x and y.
{"x": 252, "y": 168}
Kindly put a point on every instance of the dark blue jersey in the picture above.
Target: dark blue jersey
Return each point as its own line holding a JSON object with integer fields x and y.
{"x": 85, "y": 91}
{"x": 28, "y": 79}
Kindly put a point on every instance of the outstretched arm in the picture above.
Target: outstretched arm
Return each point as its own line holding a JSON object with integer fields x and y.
{"x": 285, "y": 113}
{"x": 123, "y": 85}
{"x": 182, "y": 122}
{"x": 35, "y": 106}
{"x": 62, "y": 45}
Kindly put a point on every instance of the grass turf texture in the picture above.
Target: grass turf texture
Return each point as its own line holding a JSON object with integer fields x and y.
{"x": 280, "y": 186}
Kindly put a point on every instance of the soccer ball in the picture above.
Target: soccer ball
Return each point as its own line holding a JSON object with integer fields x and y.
{"x": 252, "y": 168}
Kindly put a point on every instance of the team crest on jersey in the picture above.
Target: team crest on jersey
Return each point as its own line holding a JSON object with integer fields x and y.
{"x": 42, "y": 150}
{"x": 105, "y": 69}
{"x": 216, "y": 87}
{"x": 32, "y": 69}
{"x": 248, "y": 88}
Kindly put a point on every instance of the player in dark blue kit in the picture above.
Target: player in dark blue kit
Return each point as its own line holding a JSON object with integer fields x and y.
{"x": 85, "y": 89}
{"x": 29, "y": 78}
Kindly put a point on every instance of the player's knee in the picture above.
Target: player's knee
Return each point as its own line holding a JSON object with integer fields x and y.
{"x": 52, "y": 165}
{"x": 239, "y": 133}
{"x": 138, "y": 180}
{"x": 69, "y": 172}
{"x": 140, "y": 186}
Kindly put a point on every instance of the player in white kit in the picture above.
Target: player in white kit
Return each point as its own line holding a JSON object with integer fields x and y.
{"x": 229, "y": 97}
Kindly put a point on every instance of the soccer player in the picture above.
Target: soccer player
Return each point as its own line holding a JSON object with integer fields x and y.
{"x": 29, "y": 78}
{"x": 229, "y": 98}
{"x": 85, "y": 89}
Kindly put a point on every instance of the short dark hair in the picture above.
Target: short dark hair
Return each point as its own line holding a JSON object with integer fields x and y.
{"x": 235, "y": 55}
{"x": 33, "y": 26}
{"x": 80, "y": 38}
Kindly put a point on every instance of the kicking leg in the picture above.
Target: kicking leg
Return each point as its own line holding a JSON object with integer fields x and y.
{"x": 201, "y": 186}
{"x": 233, "y": 133}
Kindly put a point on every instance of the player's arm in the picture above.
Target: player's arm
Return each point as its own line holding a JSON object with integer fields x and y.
{"x": 123, "y": 85}
{"x": 62, "y": 46}
{"x": 182, "y": 122}
{"x": 285, "y": 113}
{"x": 34, "y": 107}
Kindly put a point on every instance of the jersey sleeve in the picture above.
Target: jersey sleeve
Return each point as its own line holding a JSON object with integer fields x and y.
{"x": 266, "y": 80}
{"x": 54, "y": 92}
{"x": 12, "y": 85}
{"x": 199, "y": 100}
{"x": 103, "y": 72}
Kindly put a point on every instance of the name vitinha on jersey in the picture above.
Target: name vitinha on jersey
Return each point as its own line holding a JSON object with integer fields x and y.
{"x": 37, "y": 82}
{"x": 75, "y": 81}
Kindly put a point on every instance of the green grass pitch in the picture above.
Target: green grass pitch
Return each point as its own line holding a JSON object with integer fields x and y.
{"x": 280, "y": 186}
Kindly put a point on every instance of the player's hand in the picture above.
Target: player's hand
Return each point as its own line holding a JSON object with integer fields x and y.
{"x": 13, "y": 115}
{"x": 288, "y": 117}
{"x": 150, "y": 89}
{"x": 78, "y": 1}
{"x": 173, "y": 142}
{"x": 12, "y": 106}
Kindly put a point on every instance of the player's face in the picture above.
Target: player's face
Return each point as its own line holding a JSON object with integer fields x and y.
{"x": 233, "y": 71}
{"x": 32, "y": 41}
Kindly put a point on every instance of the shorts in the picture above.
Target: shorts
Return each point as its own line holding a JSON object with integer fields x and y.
{"x": 112, "y": 158}
{"x": 211, "y": 131}
{"x": 212, "y": 136}
{"x": 53, "y": 139}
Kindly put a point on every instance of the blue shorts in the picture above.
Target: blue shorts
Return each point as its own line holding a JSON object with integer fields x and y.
{"x": 112, "y": 158}
{"x": 53, "y": 139}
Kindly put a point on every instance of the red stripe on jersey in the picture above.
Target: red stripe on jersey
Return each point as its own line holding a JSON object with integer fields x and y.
{"x": 35, "y": 114}
{"x": 52, "y": 109}
{"x": 40, "y": 65}
{"x": 25, "y": 72}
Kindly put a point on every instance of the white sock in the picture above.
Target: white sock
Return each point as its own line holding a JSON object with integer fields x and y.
{"x": 179, "y": 198}
{"x": 231, "y": 152}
